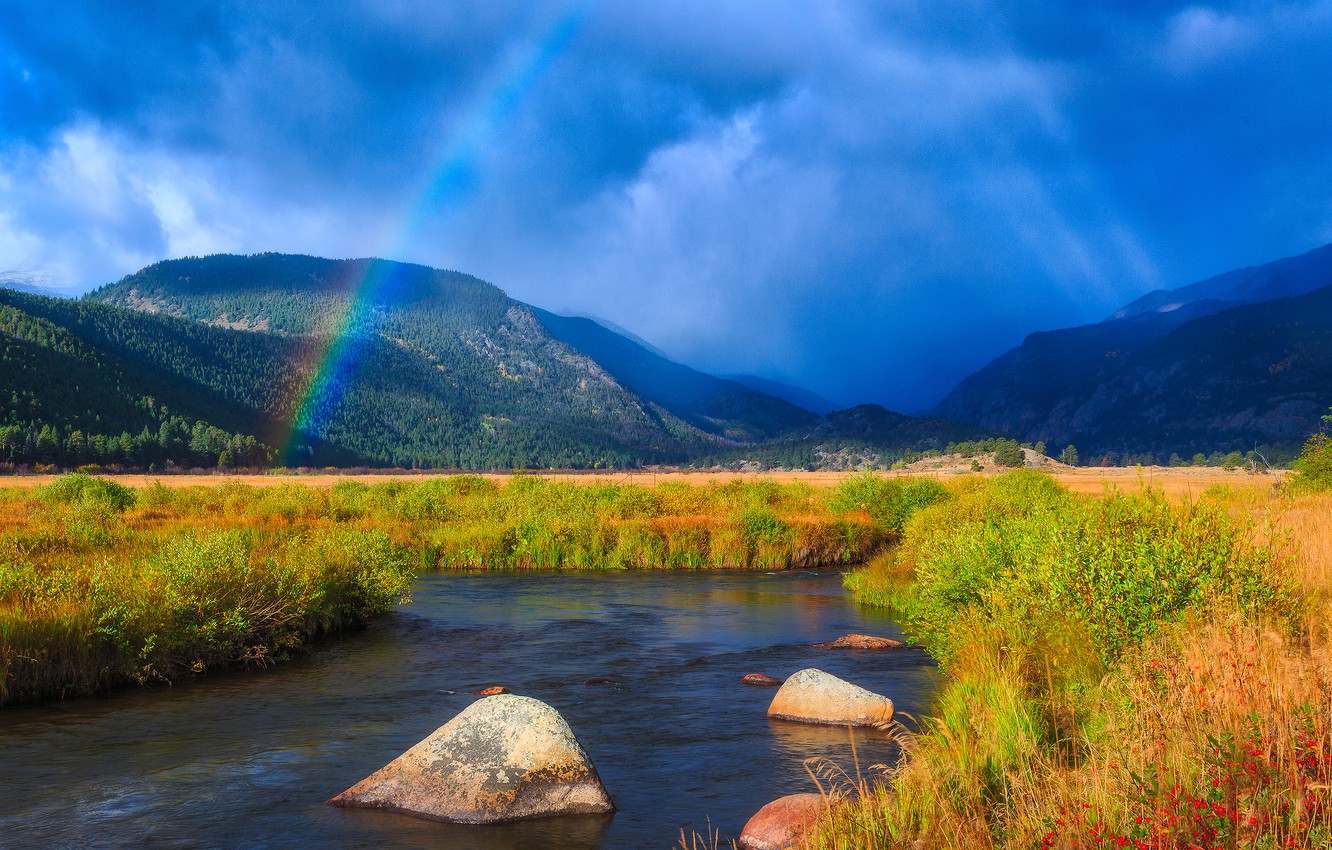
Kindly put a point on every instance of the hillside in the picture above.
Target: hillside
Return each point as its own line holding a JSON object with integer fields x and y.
{"x": 715, "y": 405}
{"x": 440, "y": 369}
{"x": 1179, "y": 372}
{"x": 70, "y": 396}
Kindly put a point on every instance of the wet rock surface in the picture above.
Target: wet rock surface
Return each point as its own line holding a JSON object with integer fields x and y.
{"x": 782, "y": 824}
{"x": 861, "y": 642}
{"x": 761, "y": 680}
{"x": 813, "y": 696}
{"x": 504, "y": 758}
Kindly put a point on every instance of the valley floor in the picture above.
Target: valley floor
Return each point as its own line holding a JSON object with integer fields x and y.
{"x": 1174, "y": 481}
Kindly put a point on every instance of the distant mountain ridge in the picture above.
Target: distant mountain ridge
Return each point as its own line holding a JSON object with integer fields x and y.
{"x": 297, "y": 360}
{"x": 1231, "y": 362}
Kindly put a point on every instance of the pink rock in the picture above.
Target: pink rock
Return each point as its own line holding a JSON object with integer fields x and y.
{"x": 861, "y": 642}
{"x": 782, "y": 824}
{"x": 494, "y": 691}
{"x": 760, "y": 679}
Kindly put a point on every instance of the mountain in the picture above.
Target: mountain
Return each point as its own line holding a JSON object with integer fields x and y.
{"x": 715, "y": 405}
{"x": 438, "y": 368}
{"x": 71, "y": 395}
{"x": 1280, "y": 279}
{"x": 418, "y": 367}
{"x": 1228, "y": 363}
{"x": 799, "y": 396}
{"x": 33, "y": 281}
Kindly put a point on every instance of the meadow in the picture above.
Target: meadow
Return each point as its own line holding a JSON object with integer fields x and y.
{"x": 102, "y": 585}
{"x": 1123, "y": 670}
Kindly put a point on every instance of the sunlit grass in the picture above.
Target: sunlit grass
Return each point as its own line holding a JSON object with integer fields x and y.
{"x": 102, "y": 586}
{"x": 1112, "y": 716}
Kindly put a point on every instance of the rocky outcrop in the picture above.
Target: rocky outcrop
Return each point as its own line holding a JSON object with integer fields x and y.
{"x": 861, "y": 642}
{"x": 504, "y": 758}
{"x": 813, "y": 696}
{"x": 782, "y": 824}
{"x": 760, "y": 679}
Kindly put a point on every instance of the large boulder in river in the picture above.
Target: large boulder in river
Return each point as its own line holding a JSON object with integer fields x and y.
{"x": 504, "y": 758}
{"x": 784, "y": 822}
{"x": 813, "y": 696}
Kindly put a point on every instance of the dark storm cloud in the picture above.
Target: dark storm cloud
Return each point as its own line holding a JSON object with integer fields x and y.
{"x": 870, "y": 198}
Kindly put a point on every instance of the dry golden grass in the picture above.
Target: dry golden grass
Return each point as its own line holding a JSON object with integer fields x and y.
{"x": 1174, "y": 481}
{"x": 1216, "y": 733}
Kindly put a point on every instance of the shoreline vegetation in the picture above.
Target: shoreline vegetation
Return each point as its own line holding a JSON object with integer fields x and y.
{"x": 103, "y": 586}
{"x": 1121, "y": 671}
{"x": 1147, "y": 667}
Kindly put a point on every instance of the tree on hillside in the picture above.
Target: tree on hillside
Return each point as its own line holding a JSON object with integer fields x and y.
{"x": 1008, "y": 453}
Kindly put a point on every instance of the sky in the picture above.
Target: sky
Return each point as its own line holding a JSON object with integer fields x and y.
{"x": 869, "y": 199}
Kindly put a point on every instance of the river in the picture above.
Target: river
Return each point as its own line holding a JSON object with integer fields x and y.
{"x": 247, "y": 759}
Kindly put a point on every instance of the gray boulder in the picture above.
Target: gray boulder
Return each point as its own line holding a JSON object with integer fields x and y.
{"x": 813, "y": 696}
{"x": 504, "y": 758}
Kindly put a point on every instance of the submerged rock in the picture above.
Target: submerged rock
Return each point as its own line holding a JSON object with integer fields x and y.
{"x": 861, "y": 642}
{"x": 493, "y": 691}
{"x": 600, "y": 682}
{"x": 502, "y": 759}
{"x": 760, "y": 679}
{"x": 783, "y": 823}
{"x": 813, "y": 696}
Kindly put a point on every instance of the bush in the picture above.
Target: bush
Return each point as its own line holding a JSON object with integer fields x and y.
{"x": 1313, "y": 468}
{"x": 889, "y": 502}
{"x": 81, "y": 489}
{"x": 1023, "y": 553}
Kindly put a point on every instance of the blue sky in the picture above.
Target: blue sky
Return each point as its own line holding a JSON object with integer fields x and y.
{"x": 867, "y": 198}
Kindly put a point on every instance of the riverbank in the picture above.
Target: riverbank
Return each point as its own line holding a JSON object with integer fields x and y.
{"x": 102, "y": 585}
{"x": 1125, "y": 671}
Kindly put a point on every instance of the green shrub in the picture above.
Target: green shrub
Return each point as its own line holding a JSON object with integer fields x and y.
{"x": 79, "y": 488}
{"x": 889, "y": 502}
{"x": 1022, "y": 552}
{"x": 1313, "y": 468}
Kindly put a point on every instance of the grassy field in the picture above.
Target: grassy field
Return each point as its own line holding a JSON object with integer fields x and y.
{"x": 1129, "y": 670}
{"x": 103, "y": 585}
{"x": 1174, "y": 481}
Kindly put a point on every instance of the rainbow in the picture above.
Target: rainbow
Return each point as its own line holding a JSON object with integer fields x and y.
{"x": 447, "y": 181}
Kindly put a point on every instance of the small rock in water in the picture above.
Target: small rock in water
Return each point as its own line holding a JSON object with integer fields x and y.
{"x": 492, "y": 691}
{"x": 782, "y": 824}
{"x": 813, "y": 696}
{"x": 502, "y": 759}
{"x": 600, "y": 682}
{"x": 760, "y": 679}
{"x": 861, "y": 642}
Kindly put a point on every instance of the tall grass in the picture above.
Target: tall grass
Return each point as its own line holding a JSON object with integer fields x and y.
{"x": 102, "y": 585}
{"x": 1122, "y": 672}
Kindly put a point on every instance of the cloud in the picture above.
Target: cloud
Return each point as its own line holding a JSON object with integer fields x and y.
{"x": 869, "y": 198}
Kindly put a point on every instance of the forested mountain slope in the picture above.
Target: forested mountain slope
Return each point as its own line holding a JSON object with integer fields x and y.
{"x": 1251, "y": 375}
{"x": 712, "y": 404}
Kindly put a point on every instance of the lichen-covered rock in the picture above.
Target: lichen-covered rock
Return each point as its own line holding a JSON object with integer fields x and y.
{"x": 861, "y": 642}
{"x": 782, "y": 824}
{"x": 504, "y": 758}
{"x": 813, "y": 696}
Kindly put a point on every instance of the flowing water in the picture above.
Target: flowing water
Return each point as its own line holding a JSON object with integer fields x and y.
{"x": 246, "y": 760}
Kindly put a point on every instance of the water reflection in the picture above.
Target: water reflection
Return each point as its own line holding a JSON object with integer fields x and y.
{"x": 248, "y": 759}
